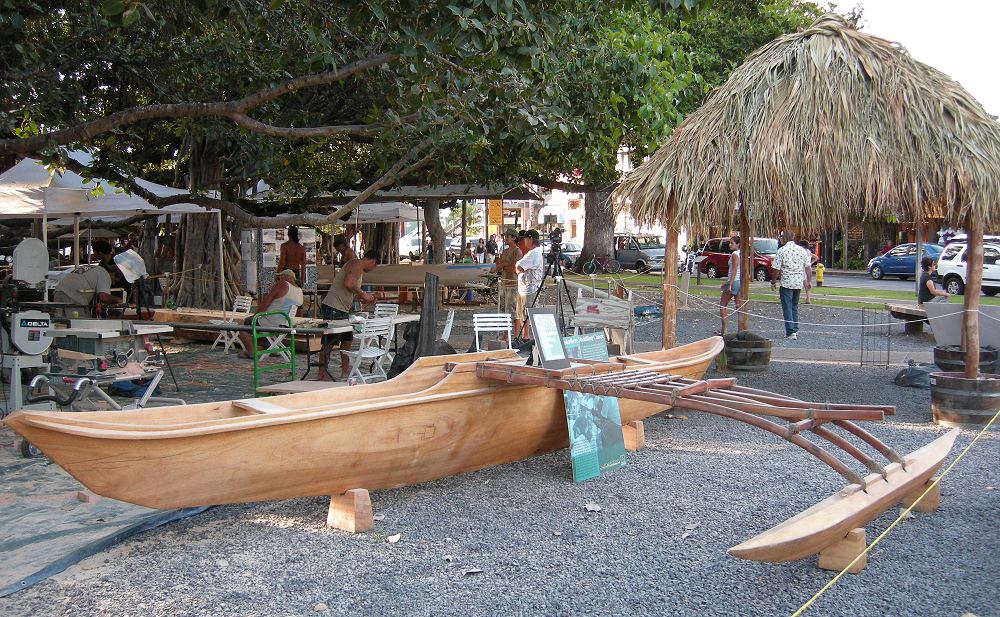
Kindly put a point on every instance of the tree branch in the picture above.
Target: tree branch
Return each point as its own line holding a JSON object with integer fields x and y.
{"x": 235, "y": 109}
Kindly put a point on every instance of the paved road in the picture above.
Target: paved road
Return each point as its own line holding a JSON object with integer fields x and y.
{"x": 866, "y": 282}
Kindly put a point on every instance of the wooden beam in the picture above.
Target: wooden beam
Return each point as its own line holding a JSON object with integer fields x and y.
{"x": 973, "y": 288}
{"x": 428, "y": 317}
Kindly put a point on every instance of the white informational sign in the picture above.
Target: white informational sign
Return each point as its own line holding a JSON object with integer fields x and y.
{"x": 548, "y": 338}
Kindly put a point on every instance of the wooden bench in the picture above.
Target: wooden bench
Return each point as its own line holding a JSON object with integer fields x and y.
{"x": 294, "y": 387}
{"x": 914, "y": 316}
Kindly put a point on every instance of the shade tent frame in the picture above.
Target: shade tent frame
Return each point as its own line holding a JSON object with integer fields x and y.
{"x": 30, "y": 191}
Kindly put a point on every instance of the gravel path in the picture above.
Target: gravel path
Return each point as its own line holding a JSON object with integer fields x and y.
{"x": 516, "y": 539}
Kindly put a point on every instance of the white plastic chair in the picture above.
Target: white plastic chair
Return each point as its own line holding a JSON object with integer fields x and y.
{"x": 373, "y": 345}
{"x": 228, "y": 338}
{"x": 386, "y": 309}
{"x": 492, "y": 322}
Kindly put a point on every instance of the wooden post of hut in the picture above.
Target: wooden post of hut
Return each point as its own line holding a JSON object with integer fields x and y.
{"x": 973, "y": 287}
{"x": 669, "y": 330}
{"x": 746, "y": 271}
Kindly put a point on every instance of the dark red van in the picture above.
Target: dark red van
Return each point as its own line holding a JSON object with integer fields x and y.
{"x": 716, "y": 254}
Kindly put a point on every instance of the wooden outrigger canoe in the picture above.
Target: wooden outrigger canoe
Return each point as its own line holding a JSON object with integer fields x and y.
{"x": 438, "y": 418}
{"x": 448, "y": 415}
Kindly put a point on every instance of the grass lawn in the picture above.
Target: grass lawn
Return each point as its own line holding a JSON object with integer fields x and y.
{"x": 844, "y": 297}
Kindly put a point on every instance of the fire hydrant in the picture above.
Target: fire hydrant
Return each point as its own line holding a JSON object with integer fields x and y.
{"x": 820, "y": 269}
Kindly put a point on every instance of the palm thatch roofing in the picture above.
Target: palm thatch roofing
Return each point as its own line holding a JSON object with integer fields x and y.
{"x": 821, "y": 124}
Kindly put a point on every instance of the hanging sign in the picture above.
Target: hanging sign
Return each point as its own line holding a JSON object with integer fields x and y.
{"x": 494, "y": 212}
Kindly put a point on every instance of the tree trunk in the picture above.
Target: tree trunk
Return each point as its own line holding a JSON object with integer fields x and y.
{"x": 432, "y": 216}
{"x": 379, "y": 237}
{"x": 598, "y": 228}
{"x": 196, "y": 252}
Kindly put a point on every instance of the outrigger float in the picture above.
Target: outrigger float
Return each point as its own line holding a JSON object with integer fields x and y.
{"x": 448, "y": 415}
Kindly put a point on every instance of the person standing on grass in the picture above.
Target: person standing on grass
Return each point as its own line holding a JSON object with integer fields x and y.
{"x": 731, "y": 288}
{"x": 928, "y": 291}
{"x": 530, "y": 270}
{"x": 791, "y": 263}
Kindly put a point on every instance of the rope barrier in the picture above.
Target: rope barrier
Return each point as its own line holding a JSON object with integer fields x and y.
{"x": 901, "y": 516}
{"x": 737, "y": 311}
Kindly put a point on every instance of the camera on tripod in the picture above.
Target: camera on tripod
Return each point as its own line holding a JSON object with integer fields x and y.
{"x": 555, "y": 238}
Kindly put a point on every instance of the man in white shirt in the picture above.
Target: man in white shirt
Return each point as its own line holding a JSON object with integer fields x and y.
{"x": 81, "y": 285}
{"x": 791, "y": 262}
{"x": 530, "y": 271}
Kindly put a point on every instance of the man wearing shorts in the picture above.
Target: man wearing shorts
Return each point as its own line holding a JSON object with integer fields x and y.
{"x": 337, "y": 306}
{"x": 504, "y": 266}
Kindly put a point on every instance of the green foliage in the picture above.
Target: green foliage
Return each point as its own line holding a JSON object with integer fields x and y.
{"x": 502, "y": 89}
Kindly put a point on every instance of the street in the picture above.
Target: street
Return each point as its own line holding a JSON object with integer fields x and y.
{"x": 866, "y": 282}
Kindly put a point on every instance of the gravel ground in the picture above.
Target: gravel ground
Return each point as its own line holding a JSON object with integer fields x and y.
{"x": 517, "y": 539}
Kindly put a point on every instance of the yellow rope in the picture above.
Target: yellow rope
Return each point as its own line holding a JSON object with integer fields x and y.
{"x": 901, "y": 516}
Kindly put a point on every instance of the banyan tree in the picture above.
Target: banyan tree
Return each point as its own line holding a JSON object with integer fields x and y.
{"x": 817, "y": 126}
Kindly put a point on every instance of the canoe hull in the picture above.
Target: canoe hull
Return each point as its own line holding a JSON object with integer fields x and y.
{"x": 459, "y": 424}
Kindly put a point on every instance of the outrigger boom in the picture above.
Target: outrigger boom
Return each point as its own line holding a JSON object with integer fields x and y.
{"x": 816, "y": 528}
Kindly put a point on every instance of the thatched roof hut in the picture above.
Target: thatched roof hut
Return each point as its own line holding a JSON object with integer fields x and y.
{"x": 820, "y": 124}
{"x": 816, "y": 126}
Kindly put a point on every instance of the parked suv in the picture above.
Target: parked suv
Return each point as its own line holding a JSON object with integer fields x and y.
{"x": 641, "y": 253}
{"x": 716, "y": 254}
{"x": 901, "y": 260}
{"x": 951, "y": 268}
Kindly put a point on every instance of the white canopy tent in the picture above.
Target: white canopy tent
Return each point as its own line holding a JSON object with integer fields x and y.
{"x": 29, "y": 190}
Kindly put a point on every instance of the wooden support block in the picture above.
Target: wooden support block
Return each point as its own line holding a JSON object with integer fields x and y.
{"x": 351, "y": 512}
{"x": 931, "y": 500}
{"x": 635, "y": 435}
{"x": 836, "y": 556}
{"x": 87, "y": 497}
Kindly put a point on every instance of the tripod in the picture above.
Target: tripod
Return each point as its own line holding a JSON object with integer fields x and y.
{"x": 554, "y": 269}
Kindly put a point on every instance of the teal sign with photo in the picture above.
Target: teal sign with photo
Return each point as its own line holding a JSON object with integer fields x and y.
{"x": 596, "y": 444}
{"x": 590, "y": 346}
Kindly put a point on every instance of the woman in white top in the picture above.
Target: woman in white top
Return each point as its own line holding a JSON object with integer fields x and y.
{"x": 731, "y": 288}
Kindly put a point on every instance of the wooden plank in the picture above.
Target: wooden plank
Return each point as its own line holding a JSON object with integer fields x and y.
{"x": 258, "y": 406}
{"x": 837, "y": 556}
{"x": 294, "y": 387}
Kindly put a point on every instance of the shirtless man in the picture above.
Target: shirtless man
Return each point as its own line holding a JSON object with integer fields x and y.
{"x": 337, "y": 305}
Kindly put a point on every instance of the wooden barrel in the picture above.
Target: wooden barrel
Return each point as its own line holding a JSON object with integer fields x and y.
{"x": 951, "y": 359}
{"x": 957, "y": 401}
{"x": 752, "y": 353}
